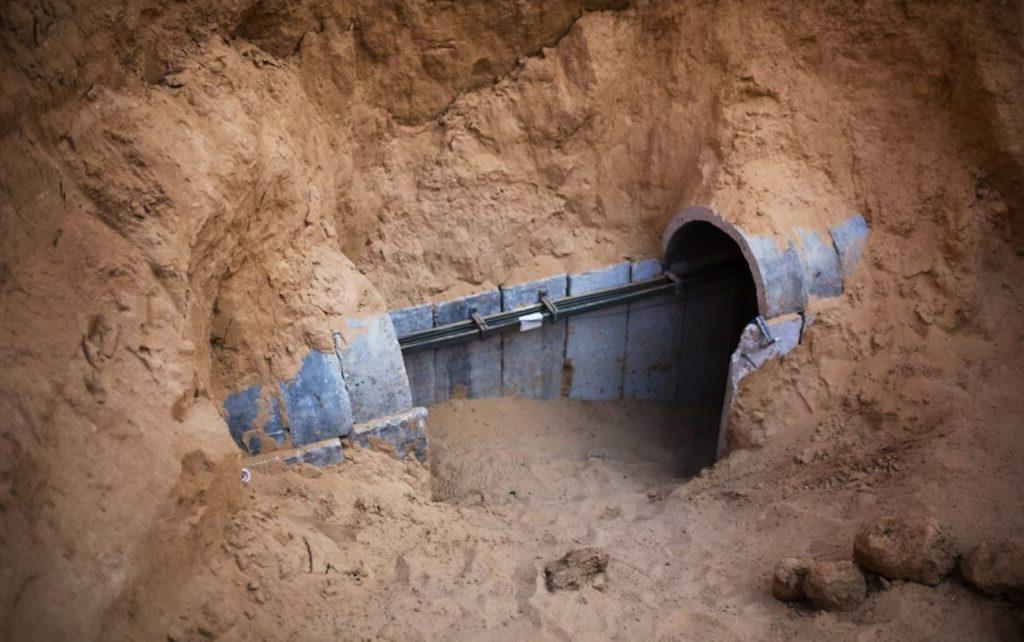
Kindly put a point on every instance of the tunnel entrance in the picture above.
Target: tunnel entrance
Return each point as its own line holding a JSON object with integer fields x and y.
{"x": 658, "y": 332}
{"x": 713, "y": 319}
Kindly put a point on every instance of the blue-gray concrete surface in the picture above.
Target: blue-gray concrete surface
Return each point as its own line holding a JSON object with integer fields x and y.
{"x": 784, "y": 287}
{"x": 243, "y": 416}
{"x": 242, "y": 410}
{"x": 595, "y": 349}
{"x": 419, "y": 367}
{"x": 316, "y": 400}
{"x": 472, "y": 369}
{"x": 821, "y": 264}
{"x": 849, "y": 238}
{"x": 405, "y": 434}
{"x": 533, "y": 360}
{"x": 374, "y": 371}
{"x": 653, "y": 339}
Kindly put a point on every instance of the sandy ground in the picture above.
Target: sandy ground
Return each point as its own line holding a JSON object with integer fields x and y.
{"x": 367, "y": 551}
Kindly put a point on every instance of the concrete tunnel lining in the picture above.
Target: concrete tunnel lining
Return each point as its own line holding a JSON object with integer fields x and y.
{"x": 670, "y": 240}
{"x": 383, "y": 392}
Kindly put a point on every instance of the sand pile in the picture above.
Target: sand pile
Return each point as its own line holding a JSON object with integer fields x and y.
{"x": 193, "y": 193}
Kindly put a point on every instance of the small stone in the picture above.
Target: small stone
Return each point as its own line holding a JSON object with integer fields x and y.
{"x": 242, "y": 561}
{"x": 835, "y": 586}
{"x": 788, "y": 578}
{"x": 578, "y": 567}
{"x": 996, "y": 568}
{"x": 909, "y": 548}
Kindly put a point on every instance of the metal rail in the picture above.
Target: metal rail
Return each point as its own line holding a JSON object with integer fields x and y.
{"x": 480, "y": 327}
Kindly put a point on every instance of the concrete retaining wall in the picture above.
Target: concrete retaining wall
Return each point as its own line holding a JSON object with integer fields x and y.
{"x": 629, "y": 351}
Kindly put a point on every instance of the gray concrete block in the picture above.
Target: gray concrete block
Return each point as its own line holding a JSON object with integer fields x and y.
{"x": 401, "y": 435}
{"x": 653, "y": 340}
{"x": 374, "y": 371}
{"x": 782, "y": 275}
{"x": 419, "y": 366}
{"x": 850, "y": 238}
{"x": 316, "y": 400}
{"x": 533, "y": 360}
{"x": 821, "y": 264}
{"x": 412, "y": 319}
{"x": 473, "y": 369}
{"x": 242, "y": 410}
{"x": 595, "y": 349}
{"x": 644, "y": 270}
{"x": 274, "y": 426}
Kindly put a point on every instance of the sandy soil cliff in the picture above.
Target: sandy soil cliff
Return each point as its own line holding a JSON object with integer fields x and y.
{"x": 193, "y": 192}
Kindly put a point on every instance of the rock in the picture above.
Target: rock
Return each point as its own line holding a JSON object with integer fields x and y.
{"x": 908, "y": 548}
{"x": 835, "y": 586}
{"x": 577, "y": 568}
{"x": 996, "y": 569}
{"x": 788, "y": 578}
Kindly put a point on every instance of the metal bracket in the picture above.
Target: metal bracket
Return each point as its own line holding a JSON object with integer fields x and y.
{"x": 676, "y": 281}
{"x": 550, "y": 307}
{"x": 480, "y": 323}
{"x": 763, "y": 327}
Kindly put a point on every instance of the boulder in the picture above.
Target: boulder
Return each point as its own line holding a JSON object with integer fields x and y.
{"x": 904, "y": 548}
{"x": 835, "y": 586}
{"x": 996, "y": 568}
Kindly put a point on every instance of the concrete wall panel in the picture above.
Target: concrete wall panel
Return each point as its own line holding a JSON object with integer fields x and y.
{"x": 473, "y": 369}
{"x": 533, "y": 360}
{"x": 316, "y": 400}
{"x": 374, "y": 371}
{"x": 821, "y": 264}
{"x": 850, "y": 238}
{"x": 653, "y": 338}
{"x": 595, "y": 349}
{"x": 419, "y": 367}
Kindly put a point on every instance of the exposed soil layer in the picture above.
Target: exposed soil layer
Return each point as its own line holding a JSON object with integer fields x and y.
{"x": 192, "y": 195}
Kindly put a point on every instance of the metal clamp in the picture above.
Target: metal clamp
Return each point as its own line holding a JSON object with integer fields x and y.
{"x": 550, "y": 307}
{"x": 674, "y": 278}
{"x": 481, "y": 325}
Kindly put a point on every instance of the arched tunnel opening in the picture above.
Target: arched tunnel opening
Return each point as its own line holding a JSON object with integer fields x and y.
{"x": 714, "y": 316}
